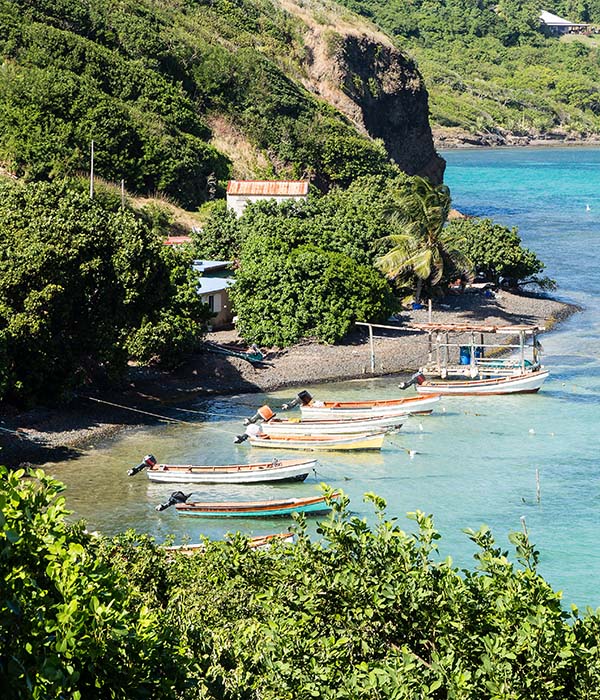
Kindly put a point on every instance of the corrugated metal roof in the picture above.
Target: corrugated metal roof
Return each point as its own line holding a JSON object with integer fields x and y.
{"x": 176, "y": 240}
{"x": 210, "y": 285}
{"x": 206, "y": 265}
{"x": 270, "y": 188}
{"x": 555, "y": 20}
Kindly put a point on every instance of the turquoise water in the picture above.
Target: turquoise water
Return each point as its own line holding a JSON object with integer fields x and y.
{"x": 476, "y": 459}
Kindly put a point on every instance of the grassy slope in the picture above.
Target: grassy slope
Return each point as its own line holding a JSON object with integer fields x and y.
{"x": 170, "y": 91}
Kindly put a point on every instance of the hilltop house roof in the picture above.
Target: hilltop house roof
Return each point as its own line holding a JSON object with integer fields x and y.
{"x": 211, "y": 265}
{"x": 211, "y": 285}
{"x": 556, "y": 21}
{"x": 268, "y": 188}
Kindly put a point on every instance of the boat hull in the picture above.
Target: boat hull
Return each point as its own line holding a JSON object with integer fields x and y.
{"x": 258, "y": 509}
{"x": 361, "y": 441}
{"x": 351, "y": 426}
{"x": 527, "y": 383}
{"x": 343, "y": 410}
{"x": 276, "y": 470}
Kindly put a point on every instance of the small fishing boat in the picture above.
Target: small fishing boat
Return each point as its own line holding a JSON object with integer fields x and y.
{"x": 253, "y": 354}
{"x": 256, "y": 473}
{"x": 248, "y": 509}
{"x": 527, "y": 383}
{"x": 342, "y": 410}
{"x": 463, "y": 361}
{"x": 259, "y": 542}
{"x": 271, "y": 425}
{"x": 358, "y": 441}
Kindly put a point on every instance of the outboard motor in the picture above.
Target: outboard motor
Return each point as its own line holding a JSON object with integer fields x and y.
{"x": 174, "y": 498}
{"x": 417, "y": 378}
{"x": 303, "y": 398}
{"x": 148, "y": 461}
{"x": 263, "y": 413}
{"x": 251, "y": 431}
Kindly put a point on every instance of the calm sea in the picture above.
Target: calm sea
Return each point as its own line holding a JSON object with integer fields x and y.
{"x": 476, "y": 460}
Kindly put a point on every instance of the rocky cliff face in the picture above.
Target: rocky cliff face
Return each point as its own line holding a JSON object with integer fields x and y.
{"x": 358, "y": 70}
{"x": 393, "y": 102}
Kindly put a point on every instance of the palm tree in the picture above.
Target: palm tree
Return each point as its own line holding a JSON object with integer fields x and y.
{"x": 421, "y": 245}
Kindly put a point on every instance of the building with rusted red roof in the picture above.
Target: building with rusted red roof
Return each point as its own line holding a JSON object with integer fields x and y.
{"x": 241, "y": 192}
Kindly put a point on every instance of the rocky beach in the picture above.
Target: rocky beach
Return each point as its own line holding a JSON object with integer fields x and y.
{"x": 52, "y": 434}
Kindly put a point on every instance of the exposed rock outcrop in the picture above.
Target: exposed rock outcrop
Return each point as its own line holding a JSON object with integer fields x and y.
{"x": 358, "y": 70}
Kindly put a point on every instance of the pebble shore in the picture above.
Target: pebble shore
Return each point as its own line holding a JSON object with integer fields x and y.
{"x": 45, "y": 435}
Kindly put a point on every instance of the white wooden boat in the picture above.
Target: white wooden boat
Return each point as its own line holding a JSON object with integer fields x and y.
{"x": 270, "y": 424}
{"x": 343, "y": 410}
{"x": 256, "y": 473}
{"x": 527, "y": 383}
{"x": 258, "y": 542}
{"x": 248, "y": 509}
{"x": 360, "y": 441}
{"x": 349, "y": 426}
{"x": 467, "y": 364}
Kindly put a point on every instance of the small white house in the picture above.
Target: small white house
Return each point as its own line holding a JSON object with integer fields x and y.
{"x": 241, "y": 192}
{"x": 559, "y": 25}
{"x": 213, "y": 289}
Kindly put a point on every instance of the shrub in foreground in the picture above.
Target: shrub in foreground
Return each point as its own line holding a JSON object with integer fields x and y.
{"x": 363, "y": 611}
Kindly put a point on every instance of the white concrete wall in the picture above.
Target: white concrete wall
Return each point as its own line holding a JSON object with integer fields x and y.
{"x": 238, "y": 202}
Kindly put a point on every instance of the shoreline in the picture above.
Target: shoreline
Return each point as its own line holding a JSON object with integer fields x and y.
{"x": 446, "y": 139}
{"x": 45, "y": 435}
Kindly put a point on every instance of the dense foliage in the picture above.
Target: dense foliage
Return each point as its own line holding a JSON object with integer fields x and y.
{"x": 364, "y": 611}
{"x": 495, "y": 252}
{"x": 141, "y": 80}
{"x": 489, "y": 66}
{"x": 71, "y": 624}
{"x": 306, "y": 269}
{"x": 84, "y": 284}
{"x": 422, "y": 246}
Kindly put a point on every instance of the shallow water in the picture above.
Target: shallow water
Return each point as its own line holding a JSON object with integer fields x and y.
{"x": 476, "y": 459}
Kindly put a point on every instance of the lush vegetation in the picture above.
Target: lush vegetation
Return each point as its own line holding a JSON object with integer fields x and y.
{"x": 142, "y": 79}
{"x": 84, "y": 285}
{"x": 496, "y": 254}
{"x": 306, "y": 269}
{"x": 421, "y": 245}
{"x": 309, "y": 269}
{"x": 489, "y": 66}
{"x": 364, "y": 611}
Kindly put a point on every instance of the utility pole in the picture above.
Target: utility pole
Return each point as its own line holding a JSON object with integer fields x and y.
{"x": 92, "y": 172}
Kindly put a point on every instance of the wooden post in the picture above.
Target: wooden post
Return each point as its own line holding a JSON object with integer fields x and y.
{"x": 92, "y": 171}
{"x": 522, "y": 343}
{"x": 524, "y": 526}
{"x": 372, "y": 348}
{"x": 537, "y": 485}
{"x": 122, "y": 194}
{"x": 429, "y": 310}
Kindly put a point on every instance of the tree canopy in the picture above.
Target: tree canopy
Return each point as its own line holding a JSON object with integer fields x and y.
{"x": 362, "y": 610}
{"x": 80, "y": 279}
{"x": 421, "y": 245}
{"x": 495, "y": 252}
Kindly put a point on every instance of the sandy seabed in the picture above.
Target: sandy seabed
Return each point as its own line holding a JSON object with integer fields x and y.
{"x": 46, "y": 435}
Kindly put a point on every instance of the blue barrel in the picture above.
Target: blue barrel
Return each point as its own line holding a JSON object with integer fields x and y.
{"x": 465, "y": 354}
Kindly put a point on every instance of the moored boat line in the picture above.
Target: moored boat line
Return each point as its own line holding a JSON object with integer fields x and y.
{"x": 357, "y": 441}
{"x": 528, "y": 383}
{"x": 334, "y": 426}
{"x": 255, "y": 473}
{"x": 248, "y": 509}
{"x": 258, "y": 542}
{"x": 341, "y": 410}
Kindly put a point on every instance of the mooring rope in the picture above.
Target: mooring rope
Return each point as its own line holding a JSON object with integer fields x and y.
{"x": 155, "y": 415}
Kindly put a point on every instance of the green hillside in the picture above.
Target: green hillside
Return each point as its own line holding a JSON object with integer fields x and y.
{"x": 490, "y": 69}
{"x": 145, "y": 80}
